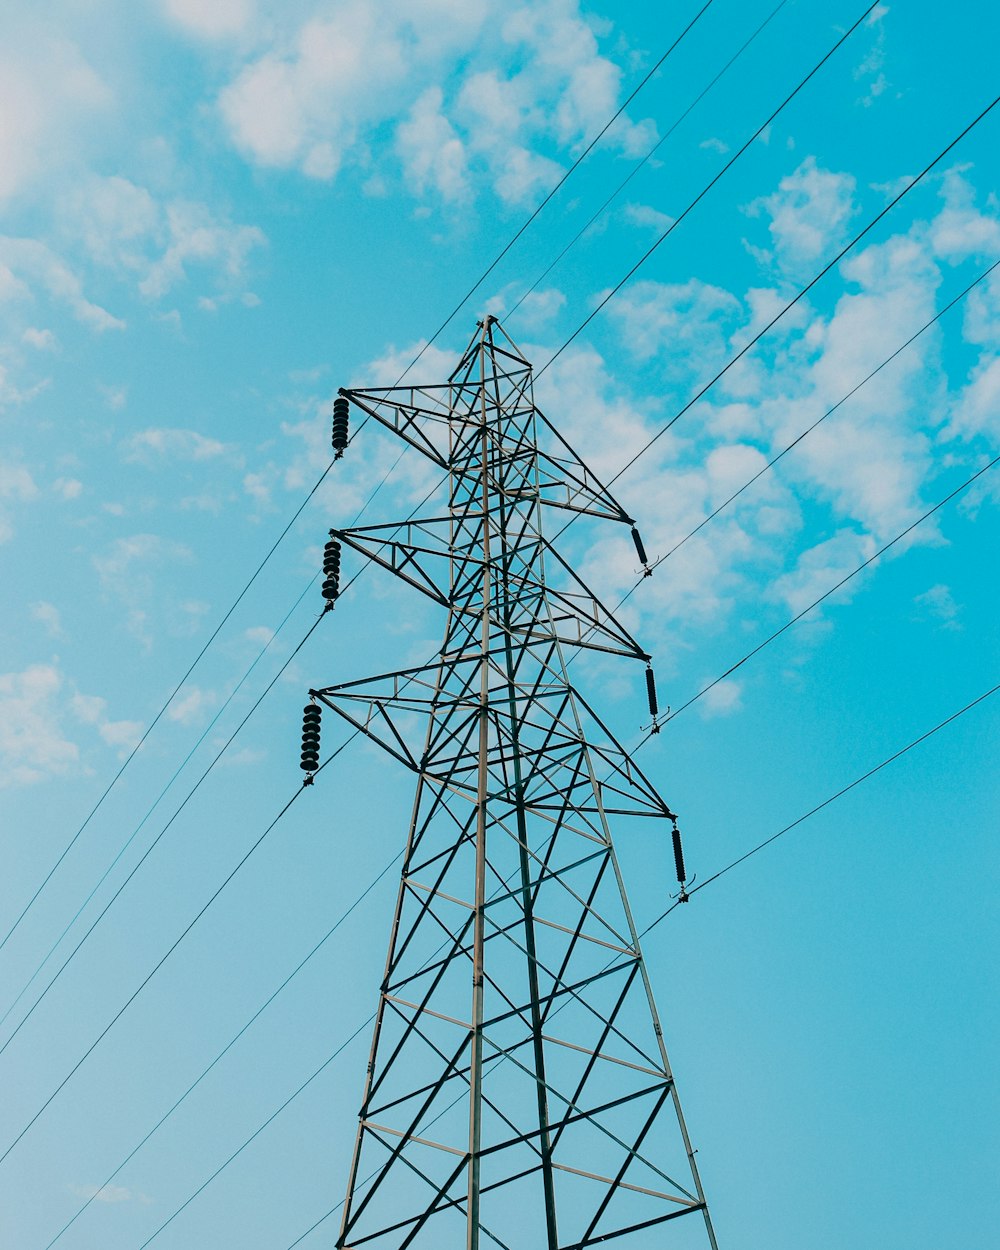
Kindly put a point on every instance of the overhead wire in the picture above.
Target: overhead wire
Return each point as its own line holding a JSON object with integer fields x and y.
{"x": 646, "y": 738}
{"x": 159, "y": 798}
{"x": 558, "y": 186}
{"x": 524, "y": 226}
{"x": 156, "y": 719}
{"x": 643, "y": 161}
{"x": 234, "y": 1039}
{"x": 772, "y": 323}
{"x": 322, "y": 477}
{"x": 138, "y": 864}
{"x": 499, "y": 889}
{"x": 852, "y": 785}
{"x": 953, "y": 494}
{"x": 766, "y": 468}
{"x": 914, "y": 182}
{"x": 665, "y": 234}
{"x": 833, "y": 590}
{"x": 191, "y": 924}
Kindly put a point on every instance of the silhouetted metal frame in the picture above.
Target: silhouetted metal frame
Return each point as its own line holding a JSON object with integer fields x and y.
{"x": 493, "y": 438}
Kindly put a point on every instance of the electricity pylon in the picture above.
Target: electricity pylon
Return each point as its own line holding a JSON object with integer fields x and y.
{"x": 518, "y": 1091}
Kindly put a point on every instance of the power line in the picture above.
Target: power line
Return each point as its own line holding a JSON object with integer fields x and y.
{"x": 504, "y": 885}
{"x": 801, "y": 294}
{"x": 640, "y": 164}
{"x": 579, "y": 160}
{"x": 832, "y": 799}
{"x": 236, "y": 1037}
{"x": 642, "y": 743}
{"x": 655, "y": 564}
{"x": 701, "y": 195}
{"x": 149, "y": 811}
{"x": 833, "y": 589}
{"x": 225, "y": 747}
{"x": 173, "y": 694}
{"x": 301, "y": 508}
{"x": 253, "y": 1136}
{"x": 430, "y": 341}
{"x": 107, "y": 1029}
{"x": 898, "y": 538}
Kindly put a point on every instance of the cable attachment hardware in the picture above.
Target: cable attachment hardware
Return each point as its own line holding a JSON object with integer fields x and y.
{"x": 341, "y": 409}
{"x": 651, "y": 693}
{"x": 331, "y": 572}
{"x": 309, "y": 763}
{"x": 675, "y": 834}
{"x": 640, "y": 551}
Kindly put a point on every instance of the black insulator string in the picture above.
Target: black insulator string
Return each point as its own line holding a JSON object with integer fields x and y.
{"x": 826, "y": 802}
{"x": 648, "y": 157}
{"x": 701, "y": 195}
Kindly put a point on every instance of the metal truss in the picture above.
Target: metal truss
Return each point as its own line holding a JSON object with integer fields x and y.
{"x": 518, "y": 1091}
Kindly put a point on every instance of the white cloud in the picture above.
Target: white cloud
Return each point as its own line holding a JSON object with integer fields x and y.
{"x": 320, "y": 97}
{"x": 723, "y": 699}
{"x": 938, "y": 604}
{"x": 32, "y": 743}
{"x": 130, "y": 569}
{"x": 116, "y": 397}
{"x": 646, "y": 216}
{"x": 34, "y": 260}
{"x": 16, "y": 482}
{"x": 871, "y": 71}
{"x": 93, "y": 710}
{"x": 714, "y": 145}
{"x": 258, "y": 488}
{"x": 809, "y": 214}
{"x": 47, "y": 615}
{"x": 192, "y": 705}
{"x": 16, "y": 486}
{"x": 216, "y": 19}
{"x": 536, "y": 309}
{"x": 686, "y": 325}
{"x": 160, "y": 444}
{"x": 107, "y": 1193}
{"x": 961, "y": 229}
{"x": 41, "y": 340}
{"x": 49, "y": 97}
{"x": 196, "y": 237}
{"x": 68, "y": 487}
{"x": 123, "y": 226}
{"x": 978, "y": 408}
{"x": 432, "y": 153}
{"x": 822, "y": 566}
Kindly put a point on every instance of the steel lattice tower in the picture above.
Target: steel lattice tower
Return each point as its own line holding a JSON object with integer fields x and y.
{"x": 518, "y": 1091}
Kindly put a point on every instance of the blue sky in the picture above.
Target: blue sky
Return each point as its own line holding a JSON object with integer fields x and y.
{"x": 215, "y": 215}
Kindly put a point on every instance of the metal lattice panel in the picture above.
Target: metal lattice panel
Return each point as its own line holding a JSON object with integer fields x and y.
{"x": 518, "y": 1092}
